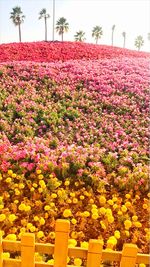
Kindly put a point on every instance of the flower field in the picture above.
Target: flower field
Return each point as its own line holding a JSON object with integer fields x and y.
{"x": 74, "y": 142}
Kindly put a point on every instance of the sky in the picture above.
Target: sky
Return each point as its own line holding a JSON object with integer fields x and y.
{"x": 131, "y": 16}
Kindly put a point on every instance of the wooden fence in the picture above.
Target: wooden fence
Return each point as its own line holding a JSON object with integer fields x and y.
{"x": 128, "y": 257}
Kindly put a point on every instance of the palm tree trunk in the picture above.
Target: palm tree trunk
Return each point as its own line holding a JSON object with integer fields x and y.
{"x": 62, "y": 36}
{"x": 112, "y": 38}
{"x": 45, "y": 29}
{"x": 124, "y": 42}
{"x": 96, "y": 40}
{"x": 19, "y": 33}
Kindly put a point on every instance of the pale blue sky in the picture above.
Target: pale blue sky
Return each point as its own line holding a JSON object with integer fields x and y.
{"x": 131, "y": 16}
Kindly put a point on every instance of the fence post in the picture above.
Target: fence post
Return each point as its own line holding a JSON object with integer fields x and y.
{"x": 1, "y": 252}
{"x": 61, "y": 243}
{"x": 94, "y": 253}
{"x": 129, "y": 254}
{"x": 27, "y": 250}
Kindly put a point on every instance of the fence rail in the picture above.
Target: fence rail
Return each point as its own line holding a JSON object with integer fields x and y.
{"x": 128, "y": 257}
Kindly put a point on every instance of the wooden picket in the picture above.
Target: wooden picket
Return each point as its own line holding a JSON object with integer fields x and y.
{"x": 128, "y": 257}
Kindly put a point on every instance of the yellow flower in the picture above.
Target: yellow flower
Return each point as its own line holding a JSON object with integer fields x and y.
{"x": 77, "y": 262}
{"x": 17, "y": 192}
{"x": 52, "y": 204}
{"x": 102, "y": 210}
{"x": 108, "y": 212}
{"x": 115, "y": 206}
{"x": 42, "y": 184}
{"x": 110, "y": 202}
{"x": 52, "y": 235}
{"x": 142, "y": 265}
{"x": 117, "y": 234}
{"x": 51, "y": 262}
{"x": 69, "y": 201}
{"x": 127, "y": 224}
{"x": 95, "y": 216}
{"x": 10, "y": 172}
{"x": 12, "y": 217}
{"x": 127, "y": 233}
{"x": 40, "y": 234}
{"x": 2, "y": 217}
{"x": 32, "y": 228}
{"x": 29, "y": 225}
{"x": 84, "y": 244}
{"x": 75, "y": 200}
{"x": 110, "y": 219}
{"x": 82, "y": 197}
{"x": 22, "y": 207}
{"x": 134, "y": 218}
{"x": 21, "y": 186}
{"x": 27, "y": 208}
{"x": 86, "y": 214}
{"x": 72, "y": 194}
{"x": 138, "y": 224}
{"x": 67, "y": 183}
{"x": 32, "y": 189}
{"x": 94, "y": 210}
{"x": 53, "y": 195}
{"x": 14, "y": 175}
{"x": 36, "y": 218}
{"x": 67, "y": 213}
{"x": 128, "y": 204}
{"x": 128, "y": 196}
{"x": 1, "y": 206}
{"x": 74, "y": 221}
{"x": 40, "y": 176}
{"x": 8, "y": 180}
{"x": 38, "y": 171}
{"x": 102, "y": 200}
{"x": 47, "y": 208}
{"x": 124, "y": 208}
{"x": 114, "y": 199}
{"x": 40, "y": 190}
{"x": 145, "y": 206}
{"x": 41, "y": 221}
{"x": 112, "y": 241}
{"x": 38, "y": 257}
{"x": 119, "y": 212}
{"x": 91, "y": 200}
{"x": 72, "y": 242}
{"x": 74, "y": 234}
{"x": 11, "y": 237}
{"x": 6, "y": 255}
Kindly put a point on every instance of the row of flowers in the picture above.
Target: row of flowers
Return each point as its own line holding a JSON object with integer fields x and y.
{"x": 56, "y": 51}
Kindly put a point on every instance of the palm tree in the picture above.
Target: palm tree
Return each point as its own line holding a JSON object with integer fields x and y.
{"x": 112, "y": 35}
{"x": 139, "y": 41}
{"x": 97, "y": 33}
{"x": 80, "y": 36}
{"x": 124, "y": 39}
{"x": 148, "y": 36}
{"x": 17, "y": 18}
{"x": 46, "y": 16}
{"x": 62, "y": 26}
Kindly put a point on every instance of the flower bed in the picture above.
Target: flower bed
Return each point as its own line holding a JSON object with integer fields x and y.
{"x": 58, "y": 51}
{"x": 74, "y": 144}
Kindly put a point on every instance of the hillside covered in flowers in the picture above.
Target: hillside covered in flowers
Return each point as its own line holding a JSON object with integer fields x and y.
{"x": 74, "y": 142}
